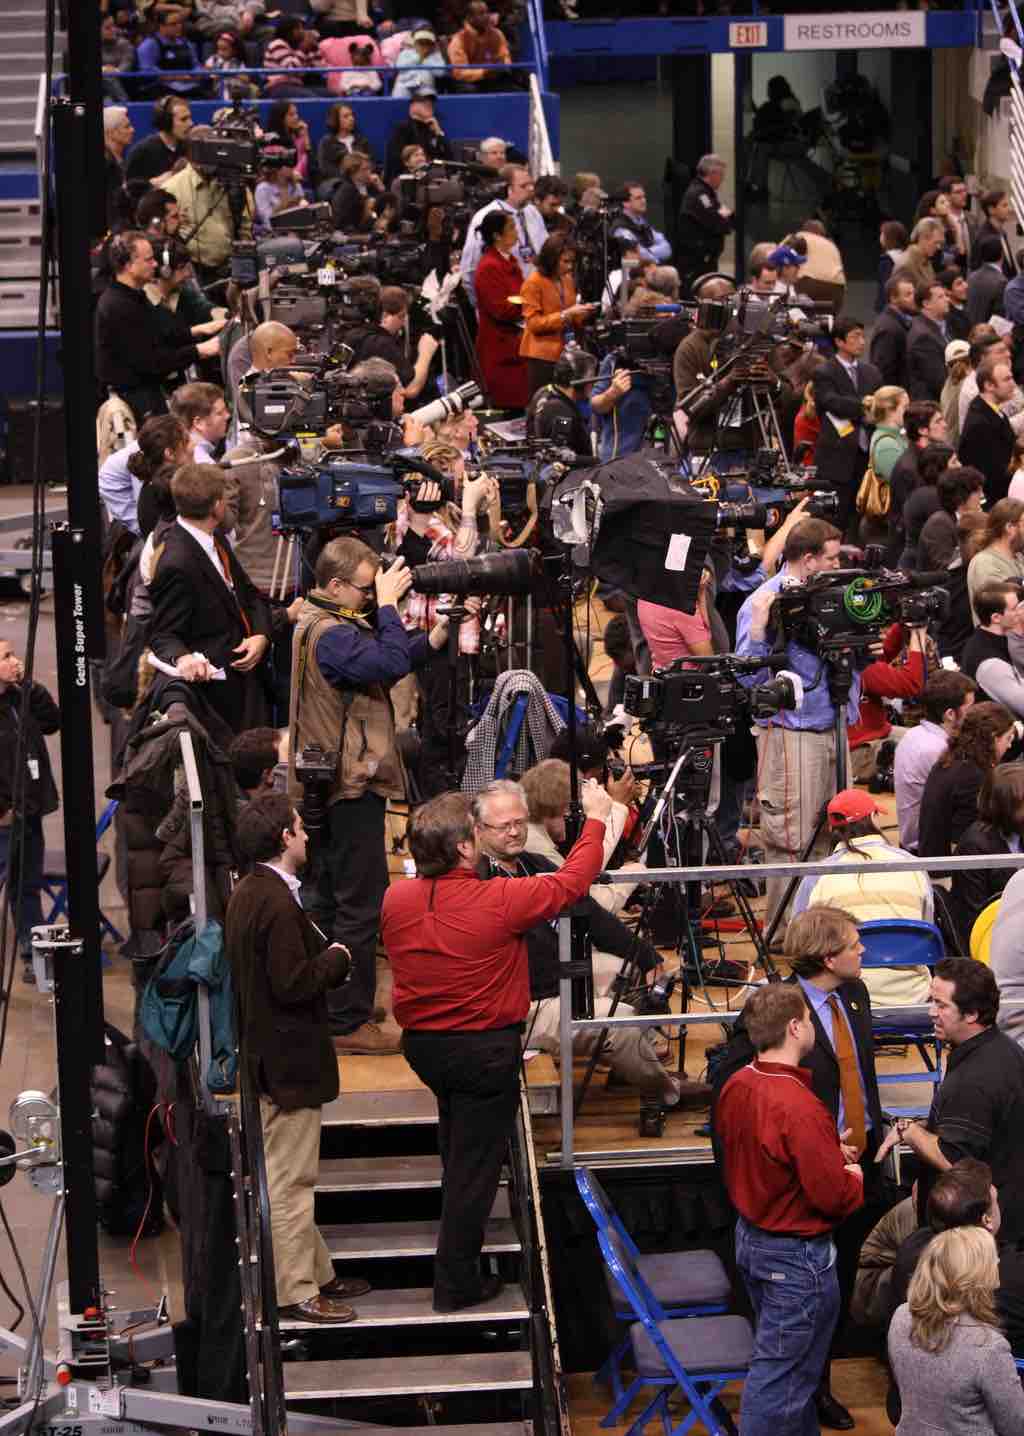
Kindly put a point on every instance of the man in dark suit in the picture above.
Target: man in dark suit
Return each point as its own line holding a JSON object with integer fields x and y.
{"x": 987, "y": 440}
{"x": 824, "y": 950}
{"x": 995, "y": 205}
{"x": 986, "y": 283}
{"x": 926, "y": 343}
{"x": 889, "y": 336}
{"x": 840, "y": 387}
{"x": 207, "y": 614}
{"x": 282, "y": 969}
{"x": 421, "y": 128}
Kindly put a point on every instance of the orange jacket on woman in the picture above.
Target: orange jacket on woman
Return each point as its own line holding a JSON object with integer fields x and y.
{"x": 543, "y": 303}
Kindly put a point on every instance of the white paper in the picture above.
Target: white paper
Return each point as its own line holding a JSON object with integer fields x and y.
{"x": 218, "y": 674}
{"x": 678, "y": 548}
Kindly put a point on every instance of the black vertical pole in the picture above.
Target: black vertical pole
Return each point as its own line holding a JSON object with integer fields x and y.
{"x": 71, "y": 144}
{"x": 85, "y": 87}
{"x": 78, "y": 995}
{"x": 742, "y": 74}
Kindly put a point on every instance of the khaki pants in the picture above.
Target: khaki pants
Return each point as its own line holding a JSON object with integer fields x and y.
{"x": 796, "y": 778}
{"x": 628, "y": 1051}
{"x": 291, "y": 1144}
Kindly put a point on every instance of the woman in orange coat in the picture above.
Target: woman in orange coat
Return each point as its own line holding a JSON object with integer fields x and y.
{"x": 498, "y": 282}
{"x": 550, "y": 309}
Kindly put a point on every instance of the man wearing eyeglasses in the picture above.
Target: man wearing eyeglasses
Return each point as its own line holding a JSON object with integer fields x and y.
{"x": 348, "y": 649}
{"x": 458, "y": 951}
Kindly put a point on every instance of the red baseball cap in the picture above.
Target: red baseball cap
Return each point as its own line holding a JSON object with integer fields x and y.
{"x": 849, "y": 806}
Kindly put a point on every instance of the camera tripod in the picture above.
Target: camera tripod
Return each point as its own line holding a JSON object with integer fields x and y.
{"x": 840, "y": 664}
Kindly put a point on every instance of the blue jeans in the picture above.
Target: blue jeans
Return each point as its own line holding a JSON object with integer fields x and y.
{"x": 794, "y": 1290}
{"x": 29, "y": 847}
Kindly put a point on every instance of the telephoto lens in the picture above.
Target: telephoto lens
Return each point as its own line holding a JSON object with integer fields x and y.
{"x": 488, "y": 573}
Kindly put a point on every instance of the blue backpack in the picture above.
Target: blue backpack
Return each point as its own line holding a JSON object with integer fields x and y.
{"x": 169, "y": 1011}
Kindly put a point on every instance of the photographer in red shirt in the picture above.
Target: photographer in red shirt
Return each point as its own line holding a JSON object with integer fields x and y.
{"x": 461, "y": 993}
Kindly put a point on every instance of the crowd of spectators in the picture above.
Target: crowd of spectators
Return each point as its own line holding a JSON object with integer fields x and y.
{"x": 337, "y": 47}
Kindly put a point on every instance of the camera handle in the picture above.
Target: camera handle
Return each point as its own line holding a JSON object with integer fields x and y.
{"x": 840, "y": 685}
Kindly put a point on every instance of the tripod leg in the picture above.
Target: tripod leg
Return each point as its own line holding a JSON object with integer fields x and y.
{"x": 794, "y": 883}
{"x": 717, "y": 850}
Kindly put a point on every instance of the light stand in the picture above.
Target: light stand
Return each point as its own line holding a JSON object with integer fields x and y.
{"x": 577, "y": 964}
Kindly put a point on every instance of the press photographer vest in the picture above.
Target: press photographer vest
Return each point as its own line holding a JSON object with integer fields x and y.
{"x": 357, "y": 721}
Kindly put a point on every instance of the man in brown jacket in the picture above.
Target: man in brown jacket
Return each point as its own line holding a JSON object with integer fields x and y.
{"x": 282, "y": 971}
{"x": 345, "y": 659}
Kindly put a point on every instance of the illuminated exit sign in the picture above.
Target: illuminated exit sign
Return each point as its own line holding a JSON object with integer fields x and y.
{"x": 748, "y": 35}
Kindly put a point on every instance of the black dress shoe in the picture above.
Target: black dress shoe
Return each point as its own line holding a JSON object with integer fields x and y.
{"x": 490, "y": 1286}
{"x": 832, "y": 1413}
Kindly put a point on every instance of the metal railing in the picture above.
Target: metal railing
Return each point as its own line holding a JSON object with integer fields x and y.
{"x": 199, "y": 914}
{"x": 539, "y": 155}
{"x": 215, "y": 79}
{"x": 568, "y": 1026}
{"x": 1016, "y": 96}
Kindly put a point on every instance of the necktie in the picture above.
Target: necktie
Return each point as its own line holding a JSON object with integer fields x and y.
{"x": 849, "y": 1075}
{"x": 225, "y": 564}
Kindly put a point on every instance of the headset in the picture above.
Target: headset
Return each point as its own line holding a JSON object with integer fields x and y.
{"x": 163, "y": 258}
{"x": 573, "y": 366}
{"x": 163, "y": 113}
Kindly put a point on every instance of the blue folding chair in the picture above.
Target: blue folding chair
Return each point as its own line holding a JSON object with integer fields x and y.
{"x": 905, "y": 942}
{"x": 55, "y": 877}
{"x": 690, "y": 1283}
{"x": 697, "y": 1356}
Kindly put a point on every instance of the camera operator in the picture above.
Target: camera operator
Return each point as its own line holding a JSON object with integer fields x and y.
{"x": 271, "y": 345}
{"x": 462, "y": 994}
{"x": 531, "y": 231}
{"x": 345, "y": 658}
{"x": 633, "y": 230}
{"x": 621, "y": 404}
{"x": 207, "y": 224}
{"x": 796, "y": 759}
{"x": 554, "y": 413}
{"x": 381, "y": 335}
{"x": 693, "y": 362}
{"x": 181, "y": 307}
{"x": 134, "y": 350}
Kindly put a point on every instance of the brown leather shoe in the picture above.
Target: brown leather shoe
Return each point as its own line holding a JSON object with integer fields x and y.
{"x": 345, "y": 1288}
{"x": 326, "y": 1310}
{"x": 369, "y": 1041}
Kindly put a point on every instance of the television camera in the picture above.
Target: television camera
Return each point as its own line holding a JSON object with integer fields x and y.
{"x": 236, "y": 148}
{"x": 282, "y": 403}
{"x": 709, "y": 695}
{"x": 850, "y": 608}
{"x": 454, "y": 189}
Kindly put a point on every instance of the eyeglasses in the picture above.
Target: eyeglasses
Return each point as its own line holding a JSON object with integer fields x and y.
{"x": 363, "y": 588}
{"x": 510, "y": 827}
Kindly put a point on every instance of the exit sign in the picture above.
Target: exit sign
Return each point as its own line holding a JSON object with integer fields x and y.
{"x": 748, "y": 35}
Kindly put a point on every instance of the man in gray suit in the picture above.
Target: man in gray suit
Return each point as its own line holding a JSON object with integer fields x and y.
{"x": 985, "y": 284}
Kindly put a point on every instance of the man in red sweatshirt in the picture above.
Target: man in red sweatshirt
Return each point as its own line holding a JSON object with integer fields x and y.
{"x": 885, "y": 678}
{"x": 461, "y": 993}
{"x": 792, "y": 1183}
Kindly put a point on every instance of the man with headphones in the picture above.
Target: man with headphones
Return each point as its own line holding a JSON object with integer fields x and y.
{"x": 154, "y": 158}
{"x": 382, "y": 333}
{"x": 554, "y": 413}
{"x": 135, "y": 353}
{"x": 207, "y": 224}
{"x": 181, "y": 307}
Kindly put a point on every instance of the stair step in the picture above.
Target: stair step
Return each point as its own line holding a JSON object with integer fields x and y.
{"x": 413, "y": 1306}
{"x": 412, "y": 1376}
{"x": 363, "y": 1240}
{"x": 378, "y": 1174}
{"x": 25, "y": 86}
{"x": 501, "y": 1428}
{"x": 417, "y": 1107}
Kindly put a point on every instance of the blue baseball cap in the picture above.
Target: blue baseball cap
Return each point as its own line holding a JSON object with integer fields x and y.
{"x": 782, "y": 256}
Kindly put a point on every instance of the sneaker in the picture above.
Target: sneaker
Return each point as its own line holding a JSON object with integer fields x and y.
{"x": 368, "y": 1041}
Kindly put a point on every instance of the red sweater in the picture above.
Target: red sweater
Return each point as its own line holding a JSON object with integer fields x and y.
{"x": 883, "y": 680}
{"x": 784, "y": 1170}
{"x": 456, "y": 942}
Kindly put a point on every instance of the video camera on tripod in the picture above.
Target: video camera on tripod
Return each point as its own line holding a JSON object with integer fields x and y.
{"x": 282, "y": 404}
{"x": 709, "y": 697}
{"x": 851, "y": 608}
{"x": 235, "y": 148}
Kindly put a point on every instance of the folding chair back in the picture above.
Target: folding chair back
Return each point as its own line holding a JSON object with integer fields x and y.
{"x": 905, "y": 942}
